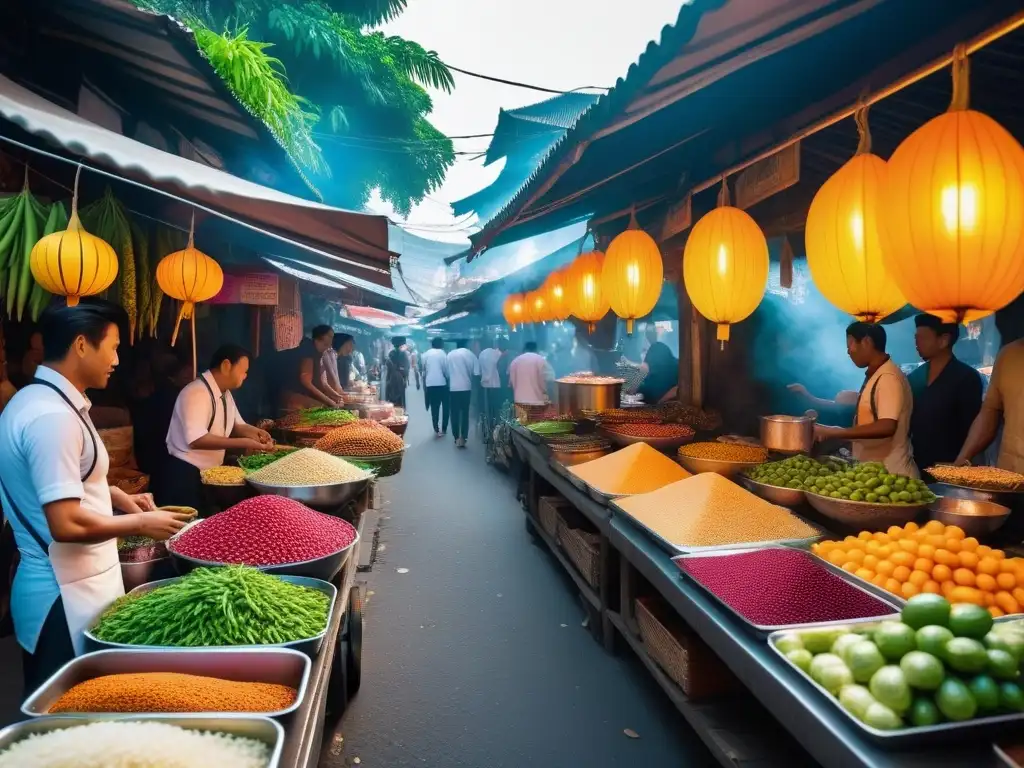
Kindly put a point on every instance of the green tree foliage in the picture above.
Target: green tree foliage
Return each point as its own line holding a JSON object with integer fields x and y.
{"x": 337, "y": 93}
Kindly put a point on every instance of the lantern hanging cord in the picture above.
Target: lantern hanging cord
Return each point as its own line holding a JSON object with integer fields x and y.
{"x": 723, "y": 193}
{"x": 961, "y": 80}
{"x": 863, "y": 130}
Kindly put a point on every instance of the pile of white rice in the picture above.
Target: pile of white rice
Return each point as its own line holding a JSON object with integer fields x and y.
{"x": 138, "y": 744}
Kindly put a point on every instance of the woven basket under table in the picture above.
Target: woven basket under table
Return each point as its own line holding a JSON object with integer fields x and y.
{"x": 549, "y": 510}
{"x": 583, "y": 550}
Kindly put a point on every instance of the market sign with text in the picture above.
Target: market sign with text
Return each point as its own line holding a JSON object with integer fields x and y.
{"x": 260, "y": 288}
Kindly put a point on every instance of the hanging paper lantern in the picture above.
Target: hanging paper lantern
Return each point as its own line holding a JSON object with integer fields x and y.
{"x": 632, "y": 274}
{"x": 725, "y": 265}
{"x": 843, "y": 237}
{"x": 537, "y": 307}
{"x": 72, "y": 262}
{"x": 514, "y": 310}
{"x": 587, "y": 299}
{"x": 190, "y": 276}
{"x": 555, "y": 290}
{"x": 953, "y": 212}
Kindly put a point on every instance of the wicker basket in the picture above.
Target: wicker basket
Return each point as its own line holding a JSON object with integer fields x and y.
{"x": 550, "y": 511}
{"x": 681, "y": 654}
{"x": 398, "y": 429}
{"x": 583, "y": 550}
{"x": 382, "y": 466}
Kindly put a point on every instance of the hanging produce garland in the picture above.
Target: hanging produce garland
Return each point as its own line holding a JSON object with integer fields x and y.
{"x": 633, "y": 273}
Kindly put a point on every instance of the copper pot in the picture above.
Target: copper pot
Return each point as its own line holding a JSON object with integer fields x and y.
{"x": 788, "y": 434}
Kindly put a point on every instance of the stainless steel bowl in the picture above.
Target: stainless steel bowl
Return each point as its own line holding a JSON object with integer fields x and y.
{"x": 786, "y": 497}
{"x": 1012, "y": 499}
{"x": 135, "y": 574}
{"x": 660, "y": 443}
{"x": 335, "y": 494}
{"x": 976, "y": 517}
{"x": 574, "y": 399}
{"x": 262, "y": 729}
{"x": 324, "y": 568}
{"x": 281, "y": 666}
{"x": 864, "y": 515}
{"x": 724, "y": 468}
{"x": 788, "y": 434}
{"x": 572, "y": 458}
{"x": 309, "y": 645}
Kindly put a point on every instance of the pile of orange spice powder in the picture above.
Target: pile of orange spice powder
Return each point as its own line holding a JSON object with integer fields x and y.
{"x": 172, "y": 692}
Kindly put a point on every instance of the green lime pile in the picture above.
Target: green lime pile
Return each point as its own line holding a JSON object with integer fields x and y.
{"x": 869, "y": 482}
{"x": 552, "y": 427}
{"x": 938, "y": 663}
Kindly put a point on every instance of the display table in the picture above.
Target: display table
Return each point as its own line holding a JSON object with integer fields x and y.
{"x": 814, "y": 724}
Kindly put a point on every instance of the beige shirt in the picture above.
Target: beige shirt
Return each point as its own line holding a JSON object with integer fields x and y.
{"x": 1008, "y": 379}
{"x": 893, "y": 400}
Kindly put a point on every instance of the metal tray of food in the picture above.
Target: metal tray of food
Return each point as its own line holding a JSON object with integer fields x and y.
{"x": 309, "y": 645}
{"x": 324, "y": 568}
{"x": 601, "y": 497}
{"x": 725, "y": 468}
{"x": 865, "y": 515}
{"x": 784, "y": 497}
{"x": 282, "y": 666}
{"x": 853, "y": 578}
{"x": 262, "y": 729}
{"x": 981, "y": 727}
{"x": 332, "y": 494}
{"x": 658, "y": 443}
{"x": 764, "y": 630}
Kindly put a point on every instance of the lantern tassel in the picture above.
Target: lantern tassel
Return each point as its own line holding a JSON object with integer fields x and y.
{"x": 177, "y": 323}
{"x": 629, "y": 326}
{"x": 961, "y": 80}
{"x": 74, "y": 225}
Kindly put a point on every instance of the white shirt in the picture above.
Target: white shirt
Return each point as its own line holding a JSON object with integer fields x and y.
{"x": 462, "y": 367}
{"x": 893, "y": 400}
{"x": 434, "y": 363}
{"x": 191, "y": 420}
{"x": 530, "y": 374}
{"x": 45, "y": 453}
{"x": 489, "y": 368}
{"x": 329, "y": 369}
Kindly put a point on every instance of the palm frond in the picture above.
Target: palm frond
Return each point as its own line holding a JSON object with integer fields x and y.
{"x": 420, "y": 64}
{"x": 370, "y": 13}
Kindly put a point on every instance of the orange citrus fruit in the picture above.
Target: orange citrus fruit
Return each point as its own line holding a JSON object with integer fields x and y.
{"x": 986, "y": 583}
{"x": 849, "y": 566}
{"x": 837, "y": 557}
{"x": 893, "y": 586}
{"x": 895, "y": 532}
{"x": 969, "y": 560}
{"x": 996, "y": 613}
{"x": 942, "y": 573}
{"x": 955, "y": 532}
{"x": 901, "y": 573}
{"x": 919, "y": 578}
{"x": 932, "y": 587}
{"x": 885, "y": 567}
{"x": 963, "y": 577}
{"x": 934, "y": 526}
{"x": 909, "y": 589}
{"x": 964, "y": 594}
{"x": 1006, "y": 581}
{"x": 969, "y": 544}
{"x": 988, "y": 565}
{"x": 926, "y": 550}
{"x": 870, "y": 561}
{"x": 923, "y": 564}
{"x": 911, "y": 527}
{"x": 1007, "y": 602}
{"x": 982, "y": 550}
{"x": 953, "y": 545}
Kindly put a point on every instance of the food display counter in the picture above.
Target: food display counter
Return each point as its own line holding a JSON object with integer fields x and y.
{"x": 739, "y": 729}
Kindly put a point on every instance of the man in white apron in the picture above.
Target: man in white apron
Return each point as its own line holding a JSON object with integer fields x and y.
{"x": 54, "y": 492}
{"x": 881, "y": 427}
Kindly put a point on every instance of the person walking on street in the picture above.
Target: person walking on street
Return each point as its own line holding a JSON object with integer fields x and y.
{"x": 435, "y": 384}
{"x": 530, "y": 374}
{"x": 462, "y": 367}
{"x": 490, "y": 383}
{"x": 397, "y": 372}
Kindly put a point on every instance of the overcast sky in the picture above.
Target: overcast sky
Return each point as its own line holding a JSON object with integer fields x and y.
{"x": 561, "y": 44}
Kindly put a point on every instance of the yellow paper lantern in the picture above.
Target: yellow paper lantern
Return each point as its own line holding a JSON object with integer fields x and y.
{"x": 843, "y": 237}
{"x": 190, "y": 276}
{"x": 587, "y": 299}
{"x": 725, "y": 265}
{"x": 514, "y": 310}
{"x": 953, "y": 212}
{"x": 537, "y": 307}
{"x": 632, "y": 274}
{"x": 554, "y": 289}
{"x": 72, "y": 262}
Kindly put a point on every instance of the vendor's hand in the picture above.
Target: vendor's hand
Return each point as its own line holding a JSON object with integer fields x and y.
{"x": 250, "y": 444}
{"x": 144, "y": 502}
{"x": 264, "y": 437}
{"x": 160, "y": 524}
{"x": 798, "y": 389}
{"x": 821, "y": 432}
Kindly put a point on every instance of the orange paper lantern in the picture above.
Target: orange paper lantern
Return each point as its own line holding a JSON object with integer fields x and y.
{"x": 632, "y": 274}
{"x": 514, "y": 310}
{"x": 587, "y": 299}
{"x": 555, "y": 290}
{"x": 953, "y": 212}
{"x": 537, "y": 307}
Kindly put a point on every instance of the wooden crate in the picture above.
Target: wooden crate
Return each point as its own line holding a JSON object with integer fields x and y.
{"x": 684, "y": 657}
{"x": 551, "y": 509}
{"x": 583, "y": 549}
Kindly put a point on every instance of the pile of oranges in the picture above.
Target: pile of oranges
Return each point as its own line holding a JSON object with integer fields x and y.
{"x": 933, "y": 558}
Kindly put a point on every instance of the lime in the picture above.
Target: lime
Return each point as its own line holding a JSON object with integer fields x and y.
{"x": 882, "y": 717}
{"x": 1011, "y": 697}
{"x": 968, "y": 620}
{"x": 985, "y": 691}
{"x": 922, "y": 670}
{"x": 820, "y": 662}
{"x": 965, "y": 654}
{"x": 1002, "y": 664}
{"x": 801, "y": 657}
{"x": 924, "y": 712}
{"x": 788, "y": 641}
{"x": 864, "y": 659}
{"x": 856, "y": 699}
{"x": 843, "y": 643}
{"x": 924, "y": 609}
{"x": 954, "y": 700}
{"x": 932, "y": 639}
{"x": 820, "y": 640}
{"x": 1009, "y": 640}
{"x": 894, "y": 639}
{"x": 832, "y": 677}
{"x": 889, "y": 686}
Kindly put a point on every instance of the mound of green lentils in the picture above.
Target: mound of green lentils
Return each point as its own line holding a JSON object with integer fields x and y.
{"x": 869, "y": 482}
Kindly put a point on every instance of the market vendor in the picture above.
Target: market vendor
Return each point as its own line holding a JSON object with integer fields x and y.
{"x": 53, "y": 486}
{"x": 660, "y": 369}
{"x": 206, "y": 424}
{"x": 337, "y": 363}
{"x": 881, "y": 427}
{"x": 947, "y": 394}
{"x": 530, "y": 375}
{"x": 1003, "y": 403}
{"x": 300, "y": 382}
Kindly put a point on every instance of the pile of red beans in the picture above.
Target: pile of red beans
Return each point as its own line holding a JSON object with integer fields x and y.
{"x": 265, "y": 530}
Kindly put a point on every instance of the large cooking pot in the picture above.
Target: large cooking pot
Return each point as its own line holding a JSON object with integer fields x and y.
{"x": 574, "y": 398}
{"x": 788, "y": 434}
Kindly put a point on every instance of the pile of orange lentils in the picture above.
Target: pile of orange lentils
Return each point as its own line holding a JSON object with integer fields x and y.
{"x": 935, "y": 558}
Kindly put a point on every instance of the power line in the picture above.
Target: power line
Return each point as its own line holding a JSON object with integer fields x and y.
{"x": 525, "y": 85}
{"x": 400, "y": 139}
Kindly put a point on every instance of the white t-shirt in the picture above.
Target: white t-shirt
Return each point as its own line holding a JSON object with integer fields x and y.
{"x": 489, "y": 377}
{"x": 462, "y": 367}
{"x": 191, "y": 420}
{"x": 45, "y": 452}
{"x": 893, "y": 400}
{"x": 530, "y": 374}
{"x": 434, "y": 363}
